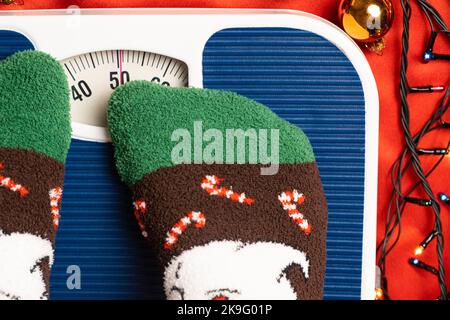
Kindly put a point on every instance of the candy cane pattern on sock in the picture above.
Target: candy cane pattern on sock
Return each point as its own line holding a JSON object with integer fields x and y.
{"x": 9, "y": 183}
{"x": 289, "y": 201}
{"x": 55, "y": 200}
{"x": 181, "y": 225}
{"x": 210, "y": 185}
{"x": 140, "y": 208}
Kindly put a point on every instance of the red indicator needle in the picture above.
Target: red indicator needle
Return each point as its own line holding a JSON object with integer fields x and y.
{"x": 120, "y": 66}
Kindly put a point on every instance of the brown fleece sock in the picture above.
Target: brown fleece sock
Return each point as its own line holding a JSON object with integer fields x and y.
{"x": 221, "y": 230}
{"x": 34, "y": 140}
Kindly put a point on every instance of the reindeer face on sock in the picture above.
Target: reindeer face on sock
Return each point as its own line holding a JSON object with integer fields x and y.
{"x": 266, "y": 243}
{"x": 29, "y": 217}
{"x": 21, "y": 256}
{"x": 234, "y": 270}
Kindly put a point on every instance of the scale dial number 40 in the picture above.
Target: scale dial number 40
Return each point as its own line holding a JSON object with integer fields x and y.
{"x": 93, "y": 77}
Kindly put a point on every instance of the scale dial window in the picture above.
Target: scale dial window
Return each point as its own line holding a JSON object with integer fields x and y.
{"x": 93, "y": 77}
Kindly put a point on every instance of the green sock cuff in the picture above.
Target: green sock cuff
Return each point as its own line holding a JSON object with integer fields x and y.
{"x": 34, "y": 104}
{"x": 143, "y": 116}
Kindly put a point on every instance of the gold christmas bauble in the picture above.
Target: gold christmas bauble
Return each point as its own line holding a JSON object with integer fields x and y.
{"x": 366, "y": 20}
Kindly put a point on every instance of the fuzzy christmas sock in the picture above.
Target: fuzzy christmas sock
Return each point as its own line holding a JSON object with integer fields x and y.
{"x": 34, "y": 140}
{"x": 221, "y": 229}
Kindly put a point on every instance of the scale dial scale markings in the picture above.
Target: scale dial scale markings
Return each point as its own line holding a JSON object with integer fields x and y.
{"x": 93, "y": 76}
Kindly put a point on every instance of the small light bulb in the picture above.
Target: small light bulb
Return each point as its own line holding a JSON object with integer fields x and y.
{"x": 418, "y": 251}
{"x": 444, "y": 197}
{"x": 427, "y": 56}
{"x": 379, "y": 294}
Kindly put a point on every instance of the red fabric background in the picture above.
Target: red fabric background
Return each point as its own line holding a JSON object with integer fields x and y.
{"x": 405, "y": 281}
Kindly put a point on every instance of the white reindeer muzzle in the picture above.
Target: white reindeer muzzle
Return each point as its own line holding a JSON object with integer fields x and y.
{"x": 234, "y": 270}
{"x": 20, "y": 275}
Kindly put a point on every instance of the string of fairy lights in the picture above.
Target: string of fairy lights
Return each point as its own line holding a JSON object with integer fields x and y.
{"x": 409, "y": 160}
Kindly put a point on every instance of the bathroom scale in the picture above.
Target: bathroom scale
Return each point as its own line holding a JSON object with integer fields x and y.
{"x": 304, "y": 68}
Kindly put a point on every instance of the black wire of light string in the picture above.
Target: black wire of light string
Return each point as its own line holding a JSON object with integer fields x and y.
{"x": 429, "y": 9}
{"x": 393, "y": 221}
{"x": 416, "y": 164}
{"x": 391, "y": 224}
{"x": 398, "y": 169}
{"x": 391, "y": 228}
